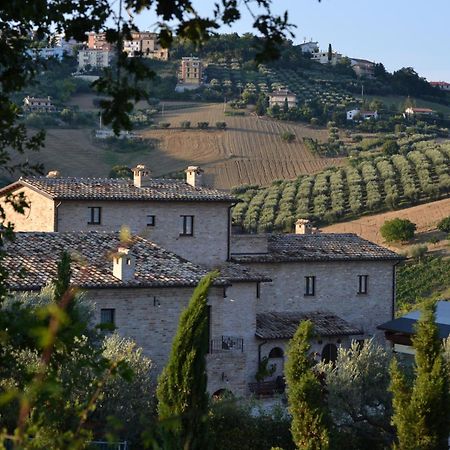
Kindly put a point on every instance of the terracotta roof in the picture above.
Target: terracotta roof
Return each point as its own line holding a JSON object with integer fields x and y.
{"x": 70, "y": 188}
{"x": 421, "y": 110}
{"x": 318, "y": 247}
{"x": 283, "y": 325}
{"x": 32, "y": 258}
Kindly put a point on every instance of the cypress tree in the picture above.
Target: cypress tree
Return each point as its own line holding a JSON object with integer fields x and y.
{"x": 330, "y": 53}
{"x": 422, "y": 410}
{"x": 309, "y": 426}
{"x": 181, "y": 391}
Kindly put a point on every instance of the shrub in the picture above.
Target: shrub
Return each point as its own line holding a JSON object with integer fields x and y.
{"x": 287, "y": 136}
{"x": 221, "y": 125}
{"x": 202, "y": 125}
{"x": 120, "y": 172}
{"x": 390, "y": 148}
{"x": 418, "y": 251}
{"x": 185, "y": 124}
{"x": 444, "y": 225}
{"x": 398, "y": 230}
{"x": 164, "y": 124}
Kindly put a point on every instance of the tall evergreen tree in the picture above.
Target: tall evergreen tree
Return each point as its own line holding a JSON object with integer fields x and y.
{"x": 305, "y": 394}
{"x": 181, "y": 388}
{"x": 330, "y": 53}
{"x": 422, "y": 410}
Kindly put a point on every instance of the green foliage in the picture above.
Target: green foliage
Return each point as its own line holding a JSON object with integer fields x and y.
{"x": 221, "y": 125}
{"x": 390, "y": 148}
{"x": 185, "y": 124}
{"x": 357, "y": 395}
{"x": 373, "y": 184}
{"x": 419, "y": 279}
{"x": 397, "y": 229}
{"x": 444, "y": 225}
{"x": 264, "y": 370}
{"x": 422, "y": 410}
{"x": 305, "y": 394}
{"x": 120, "y": 172}
{"x": 182, "y": 384}
{"x": 418, "y": 251}
{"x": 202, "y": 125}
{"x": 287, "y": 136}
{"x": 234, "y": 425}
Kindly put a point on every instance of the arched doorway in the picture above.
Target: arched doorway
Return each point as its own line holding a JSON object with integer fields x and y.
{"x": 276, "y": 360}
{"x": 329, "y": 353}
{"x": 220, "y": 394}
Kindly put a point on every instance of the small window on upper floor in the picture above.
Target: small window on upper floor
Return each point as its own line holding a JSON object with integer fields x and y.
{"x": 363, "y": 281}
{"x": 310, "y": 285}
{"x": 107, "y": 316}
{"x": 150, "y": 220}
{"x": 95, "y": 215}
{"x": 187, "y": 226}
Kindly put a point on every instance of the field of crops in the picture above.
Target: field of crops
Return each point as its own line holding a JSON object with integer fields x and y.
{"x": 421, "y": 175}
{"x": 307, "y": 88}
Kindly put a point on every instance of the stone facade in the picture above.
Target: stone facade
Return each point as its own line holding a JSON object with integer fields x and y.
{"x": 150, "y": 317}
{"x": 40, "y": 216}
{"x": 336, "y": 290}
{"x": 208, "y": 244}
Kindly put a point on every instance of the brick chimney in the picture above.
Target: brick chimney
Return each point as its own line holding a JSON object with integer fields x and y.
{"x": 194, "y": 176}
{"x": 141, "y": 175}
{"x": 303, "y": 226}
{"x": 124, "y": 264}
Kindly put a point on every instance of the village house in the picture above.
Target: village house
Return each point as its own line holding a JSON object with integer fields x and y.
{"x": 191, "y": 70}
{"x": 38, "y": 104}
{"x": 357, "y": 114}
{"x": 94, "y": 58}
{"x": 281, "y": 97}
{"x": 412, "y": 111}
{"x": 97, "y": 41}
{"x": 442, "y": 85}
{"x": 309, "y": 47}
{"x": 363, "y": 68}
{"x": 344, "y": 284}
{"x": 323, "y": 57}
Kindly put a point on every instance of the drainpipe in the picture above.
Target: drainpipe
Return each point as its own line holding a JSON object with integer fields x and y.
{"x": 393, "y": 289}
{"x": 259, "y": 350}
{"x": 229, "y": 231}
{"x": 55, "y": 225}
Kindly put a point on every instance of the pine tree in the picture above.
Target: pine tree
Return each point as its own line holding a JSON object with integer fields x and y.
{"x": 181, "y": 388}
{"x": 422, "y": 411}
{"x": 305, "y": 394}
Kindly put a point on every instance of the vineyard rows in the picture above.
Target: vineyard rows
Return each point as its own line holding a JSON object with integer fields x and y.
{"x": 422, "y": 174}
{"x": 229, "y": 75}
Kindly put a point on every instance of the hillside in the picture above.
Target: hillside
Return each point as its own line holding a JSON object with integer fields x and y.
{"x": 250, "y": 151}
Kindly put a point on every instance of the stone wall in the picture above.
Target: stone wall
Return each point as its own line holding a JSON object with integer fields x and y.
{"x": 38, "y": 217}
{"x": 336, "y": 290}
{"x": 249, "y": 244}
{"x": 208, "y": 245}
{"x": 150, "y": 317}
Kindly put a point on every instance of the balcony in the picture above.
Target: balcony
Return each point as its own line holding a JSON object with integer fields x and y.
{"x": 226, "y": 344}
{"x": 268, "y": 388}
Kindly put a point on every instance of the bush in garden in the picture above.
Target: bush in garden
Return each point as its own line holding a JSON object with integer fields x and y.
{"x": 287, "y": 136}
{"x": 221, "y": 125}
{"x": 120, "y": 172}
{"x": 397, "y": 229}
{"x": 444, "y": 225}
{"x": 185, "y": 124}
{"x": 202, "y": 125}
{"x": 418, "y": 251}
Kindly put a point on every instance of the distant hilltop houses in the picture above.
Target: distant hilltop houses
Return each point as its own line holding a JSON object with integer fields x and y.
{"x": 443, "y": 85}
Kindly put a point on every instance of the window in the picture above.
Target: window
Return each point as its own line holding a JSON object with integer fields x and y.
{"x": 150, "y": 220}
{"x": 107, "y": 316}
{"x": 310, "y": 285}
{"x": 187, "y": 226}
{"x": 362, "y": 284}
{"x": 258, "y": 290}
{"x": 95, "y": 215}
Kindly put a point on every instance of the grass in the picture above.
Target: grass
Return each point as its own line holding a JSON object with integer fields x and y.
{"x": 421, "y": 280}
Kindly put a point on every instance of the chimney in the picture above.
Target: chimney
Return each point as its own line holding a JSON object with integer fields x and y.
{"x": 124, "y": 264}
{"x": 141, "y": 176}
{"x": 303, "y": 226}
{"x": 53, "y": 174}
{"x": 194, "y": 176}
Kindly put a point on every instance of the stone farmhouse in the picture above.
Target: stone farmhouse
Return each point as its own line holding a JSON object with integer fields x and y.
{"x": 268, "y": 283}
{"x": 281, "y": 97}
{"x": 38, "y": 104}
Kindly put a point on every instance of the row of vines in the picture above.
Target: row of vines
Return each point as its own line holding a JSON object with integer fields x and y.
{"x": 381, "y": 183}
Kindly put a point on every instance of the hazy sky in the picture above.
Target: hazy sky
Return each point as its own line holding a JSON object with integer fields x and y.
{"x": 398, "y": 33}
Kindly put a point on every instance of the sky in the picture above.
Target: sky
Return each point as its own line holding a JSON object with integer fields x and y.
{"x": 398, "y": 33}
